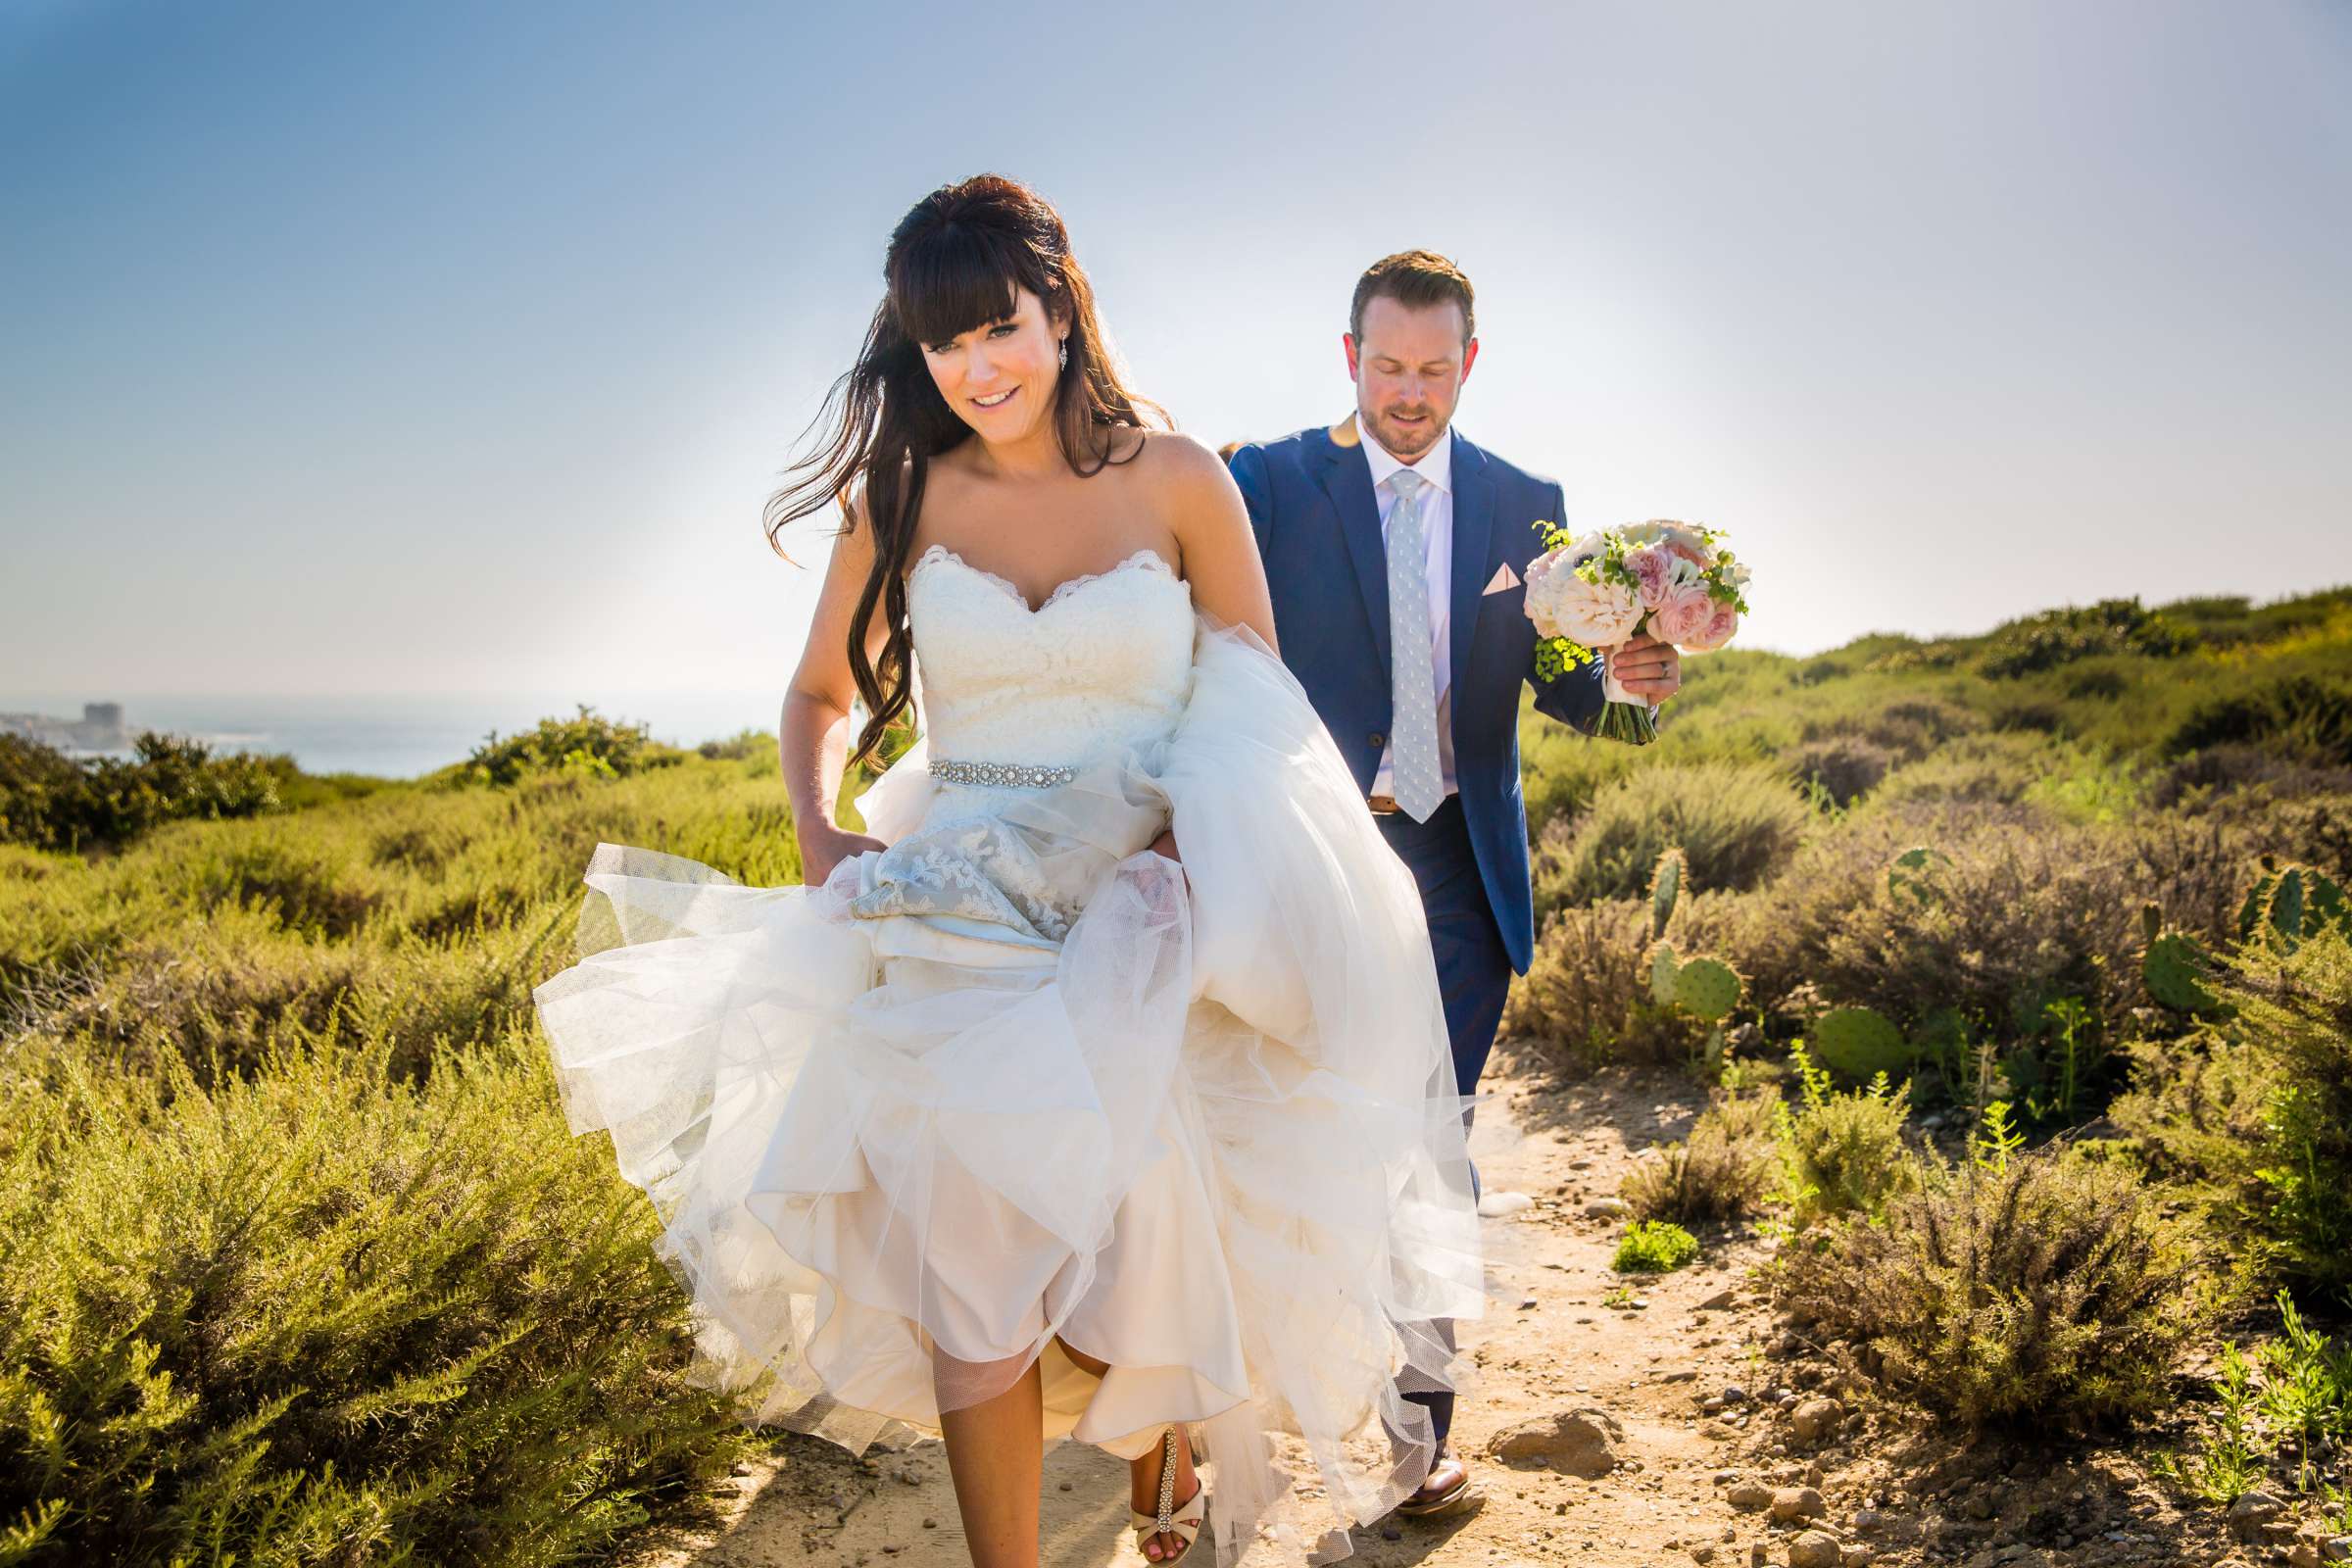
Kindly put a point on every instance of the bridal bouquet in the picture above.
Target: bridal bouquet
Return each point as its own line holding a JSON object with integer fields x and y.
{"x": 1673, "y": 580}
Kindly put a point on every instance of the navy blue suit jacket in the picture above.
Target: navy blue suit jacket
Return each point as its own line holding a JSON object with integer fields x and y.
{"x": 1319, "y": 530}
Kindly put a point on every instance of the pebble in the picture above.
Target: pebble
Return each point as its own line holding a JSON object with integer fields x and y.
{"x": 1815, "y": 1549}
{"x": 1502, "y": 1205}
{"x": 1797, "y": 1503}
{"x": 2250, "y": 1513}
{"x": 1815, "y": 1419}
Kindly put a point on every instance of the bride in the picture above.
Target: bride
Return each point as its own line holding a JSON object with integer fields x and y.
{"x": 1100, "y": 1087}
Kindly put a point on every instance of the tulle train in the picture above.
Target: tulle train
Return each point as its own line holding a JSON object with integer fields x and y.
{"x": 1017, "y": 1082}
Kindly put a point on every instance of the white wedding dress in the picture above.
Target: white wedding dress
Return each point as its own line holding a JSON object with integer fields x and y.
{"x": 1018, "y": 1078}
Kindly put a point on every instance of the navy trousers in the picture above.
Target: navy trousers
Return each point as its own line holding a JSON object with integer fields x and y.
{"x": 1474, "y": 973}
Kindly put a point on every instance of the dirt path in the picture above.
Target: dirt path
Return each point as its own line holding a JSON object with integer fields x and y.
{"x": 1665, "y": 1481}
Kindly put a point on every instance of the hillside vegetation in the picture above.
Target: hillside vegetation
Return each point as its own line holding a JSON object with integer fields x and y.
{"x": 298, "y": 1261}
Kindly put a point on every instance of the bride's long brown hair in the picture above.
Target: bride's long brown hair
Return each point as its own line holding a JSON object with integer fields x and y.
{"x": 955, "y": 262}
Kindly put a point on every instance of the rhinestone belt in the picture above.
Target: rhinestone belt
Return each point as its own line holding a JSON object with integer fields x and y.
{"x": 1024, "y": 774}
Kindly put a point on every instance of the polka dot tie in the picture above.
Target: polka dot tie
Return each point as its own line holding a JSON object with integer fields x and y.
{"x": 1412, "y": 682}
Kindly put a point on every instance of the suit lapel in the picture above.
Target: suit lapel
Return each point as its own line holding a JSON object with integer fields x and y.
{"x": 1347, "y": 479}
{"x": 1473, "y": 523}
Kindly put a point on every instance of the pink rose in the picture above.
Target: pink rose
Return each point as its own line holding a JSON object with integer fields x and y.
{"x": 1721, "y": 623}
{"x": 1652, "y": 566}
{"x": 1683, "y": 616}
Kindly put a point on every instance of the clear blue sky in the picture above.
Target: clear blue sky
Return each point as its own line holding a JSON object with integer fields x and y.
{"x": 435, "y": 347}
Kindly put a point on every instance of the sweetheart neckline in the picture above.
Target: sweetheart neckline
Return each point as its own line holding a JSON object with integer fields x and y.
{"x": 1012, "y": 589}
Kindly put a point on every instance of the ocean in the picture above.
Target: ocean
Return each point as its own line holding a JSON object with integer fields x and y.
{"x": 405, "y": 736}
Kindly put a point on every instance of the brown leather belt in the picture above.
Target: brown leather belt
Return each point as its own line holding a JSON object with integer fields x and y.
{"x": 1383, "y": 804}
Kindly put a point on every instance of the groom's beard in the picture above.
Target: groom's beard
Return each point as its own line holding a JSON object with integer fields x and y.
{"x": 1409, "y": 440}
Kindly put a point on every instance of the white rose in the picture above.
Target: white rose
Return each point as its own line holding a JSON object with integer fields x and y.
{"x": 1563, "y": 604}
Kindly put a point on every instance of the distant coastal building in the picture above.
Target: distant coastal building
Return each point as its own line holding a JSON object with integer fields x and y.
{"x": 99, "y": 729}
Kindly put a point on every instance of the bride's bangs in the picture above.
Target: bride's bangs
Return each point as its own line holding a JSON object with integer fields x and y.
{"x": 956, "y": 278}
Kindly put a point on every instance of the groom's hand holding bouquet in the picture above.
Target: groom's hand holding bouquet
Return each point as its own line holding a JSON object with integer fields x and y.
{"x": 1630, "y": 596}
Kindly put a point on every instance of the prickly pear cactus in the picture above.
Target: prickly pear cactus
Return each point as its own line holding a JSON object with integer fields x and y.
{"x": 2325, "y": 905}
{"x": 1708, "y": 988}
{"x": 2291, "y": 902}
{"x": 1854, "y": 1042}
{"x": 2151, "y": 921}
{"x": 1913, "y": 875}
{"x": 2176, "y": 969}
{"x": 1663, "y": 967}
{"x": 2256, "y": 909}
{"x": 1665, "y": 887}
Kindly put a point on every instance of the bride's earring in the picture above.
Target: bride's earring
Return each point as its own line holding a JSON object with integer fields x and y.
{"x": 1066, "y": 353}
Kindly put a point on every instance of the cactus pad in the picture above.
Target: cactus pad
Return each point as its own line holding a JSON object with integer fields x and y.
{"x": 1665, "y": 887}
{"x": 1855, "y": 1043}
{"x": 2256, "y": 909}
{"x": 2291, "y": 903}
{"x": 1913, "y": 875}
{"x": 1663, "y": 967}
{"x": 1708, "y": 988}
{"x": 2175, "y": 969}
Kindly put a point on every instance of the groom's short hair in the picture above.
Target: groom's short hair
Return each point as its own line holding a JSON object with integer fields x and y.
{"x": 1416, "y": 279}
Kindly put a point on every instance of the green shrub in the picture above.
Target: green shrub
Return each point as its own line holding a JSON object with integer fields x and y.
{"x": 1586, "y": 995}
{"x": 2049, "y": 1287}
{"x": 52, "y": 802}
{"x": 2256, "y": 1109}
{"x": 1843, "y": 768}
{"x": 2301, "y": 715}
{"x": 1843, "y": 1152}
{"x": 1722, "y": 1171}
{"x": 320, "y": 1316}
{"x": 586, "y": 743}
{"x": 2061, "y": 636}
{"x": 1737, "y": 824}
{"x": 1654, "y": 1246}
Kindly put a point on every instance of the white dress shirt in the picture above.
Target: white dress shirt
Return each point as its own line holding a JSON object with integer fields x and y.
{"x": 1435, "y": 468}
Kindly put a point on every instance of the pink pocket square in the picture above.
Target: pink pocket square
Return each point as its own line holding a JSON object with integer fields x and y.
{"x": 1505, "y": 578}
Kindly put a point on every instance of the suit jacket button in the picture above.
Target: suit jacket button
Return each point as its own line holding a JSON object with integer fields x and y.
{"x": 1378, "y": 739}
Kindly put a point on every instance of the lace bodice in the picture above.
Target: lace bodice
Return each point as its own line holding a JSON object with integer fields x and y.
{"x": 1103, "y": 664}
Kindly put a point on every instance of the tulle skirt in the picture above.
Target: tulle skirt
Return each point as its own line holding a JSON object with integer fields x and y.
{"x": 1017, "y": 1083}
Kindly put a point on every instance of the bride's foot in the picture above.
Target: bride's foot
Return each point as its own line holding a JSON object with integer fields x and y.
{"x": 1163, "y": 1488}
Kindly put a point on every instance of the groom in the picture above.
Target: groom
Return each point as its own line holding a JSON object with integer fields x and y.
{"x": 1397, "y": 553}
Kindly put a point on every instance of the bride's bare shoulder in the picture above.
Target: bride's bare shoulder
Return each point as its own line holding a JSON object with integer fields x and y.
{"x": 1176, "y": 462}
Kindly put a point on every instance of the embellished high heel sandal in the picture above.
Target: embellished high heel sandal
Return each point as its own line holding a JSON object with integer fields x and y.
{"x": 1181, "y": 1520}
